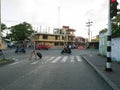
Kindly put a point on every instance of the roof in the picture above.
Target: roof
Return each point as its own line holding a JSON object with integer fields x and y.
{"x": 46, "y": 34}
{"x": 71, "y": 30}
{"x": 65, "y": 26}
{"x": 80, "y": 37}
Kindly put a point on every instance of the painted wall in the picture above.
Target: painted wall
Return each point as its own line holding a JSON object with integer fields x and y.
{"x": 115, "y": 46}
{"x": 103, "y": 44}
{"x": 115, "y": 54}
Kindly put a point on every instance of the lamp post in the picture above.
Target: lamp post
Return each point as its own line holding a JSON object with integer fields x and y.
{"x": 88, "y": 24}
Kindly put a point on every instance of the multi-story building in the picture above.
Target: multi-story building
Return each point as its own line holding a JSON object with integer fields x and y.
{"x": 60, "y": 37}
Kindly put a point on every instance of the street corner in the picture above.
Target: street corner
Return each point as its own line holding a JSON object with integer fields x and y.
{"x": 102, "y": 75}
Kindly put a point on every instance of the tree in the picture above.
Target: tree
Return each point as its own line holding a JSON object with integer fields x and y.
{"x": 3, "y": 26}
{"x": 21, "y": 31}
{"x": 115, "y": 30}
{"x": 116, "y": 26}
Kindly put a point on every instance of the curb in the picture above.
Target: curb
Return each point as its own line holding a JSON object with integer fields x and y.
{"x": 109, "y": 82}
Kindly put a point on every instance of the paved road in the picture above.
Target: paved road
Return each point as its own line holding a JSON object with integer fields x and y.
{"x": 53, "y": 72}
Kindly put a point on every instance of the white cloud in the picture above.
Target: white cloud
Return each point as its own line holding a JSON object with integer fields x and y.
{"x": 74, "y": 13}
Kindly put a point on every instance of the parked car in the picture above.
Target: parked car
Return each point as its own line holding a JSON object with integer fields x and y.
{"x": 45, "y": 47}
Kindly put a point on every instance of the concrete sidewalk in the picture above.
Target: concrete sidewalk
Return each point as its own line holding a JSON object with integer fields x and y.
{"x": 98, "y": 63}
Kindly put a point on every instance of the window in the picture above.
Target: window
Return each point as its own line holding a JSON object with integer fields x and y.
{"x": 56, "y": 37}
{"x": 56, "y": 44}
{"x": 45, "y": 37}
{"x": 63, "y": 37}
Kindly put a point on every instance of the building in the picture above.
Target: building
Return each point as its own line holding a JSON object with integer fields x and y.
{"x": 60, "y": 37}
{"x": 80, "y": 42}
{"x": 94, "y": 44}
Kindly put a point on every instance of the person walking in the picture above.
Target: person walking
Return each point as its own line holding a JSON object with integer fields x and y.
{"x": 33, "y": 51}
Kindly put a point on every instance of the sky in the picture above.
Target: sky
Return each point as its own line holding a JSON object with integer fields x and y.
{"x": 48, "y": 14}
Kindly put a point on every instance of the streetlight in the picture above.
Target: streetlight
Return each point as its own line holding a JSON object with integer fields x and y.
{"x": 88, "y": 24}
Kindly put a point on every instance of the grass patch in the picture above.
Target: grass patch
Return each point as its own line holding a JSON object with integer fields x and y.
{"x": 5, "y": 61}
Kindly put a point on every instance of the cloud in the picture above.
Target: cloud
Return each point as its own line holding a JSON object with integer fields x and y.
{"x": 74, "y": 13}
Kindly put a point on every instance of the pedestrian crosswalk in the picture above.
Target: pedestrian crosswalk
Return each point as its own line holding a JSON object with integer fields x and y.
{"x": 53, "y": 60}
{"x": 61, "y": 59}
{"x": 56, "y": 59}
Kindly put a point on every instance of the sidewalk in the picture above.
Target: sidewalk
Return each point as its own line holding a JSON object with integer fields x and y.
{"x": 98, "y": 64}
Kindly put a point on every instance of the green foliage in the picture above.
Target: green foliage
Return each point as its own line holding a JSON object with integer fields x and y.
{"x": 3, "y": 26}
{"x": 115, "y": 30}
{"x": 103, "y": 30}
{"x": 115, "y": 27}
{"x": 21, "y": 31}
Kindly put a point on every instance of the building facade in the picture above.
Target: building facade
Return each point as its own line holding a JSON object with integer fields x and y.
{"x": 59, "y": 38}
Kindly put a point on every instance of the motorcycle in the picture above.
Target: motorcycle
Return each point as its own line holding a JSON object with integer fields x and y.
{"x": 20, "y": 50}
{"x": 66, "y": 50}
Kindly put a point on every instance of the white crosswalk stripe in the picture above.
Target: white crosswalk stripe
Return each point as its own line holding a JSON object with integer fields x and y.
{"x": 72, "y": 59}
{"x": 64, "y": 59}
{"x": 51, "y": 58}
{"x": 55, "y": 60}
{"x": 78, "y": 58}
{"x": 35, "y": 62}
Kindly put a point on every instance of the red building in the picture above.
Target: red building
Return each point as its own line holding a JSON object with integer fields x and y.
{"x": 80, "y": 42}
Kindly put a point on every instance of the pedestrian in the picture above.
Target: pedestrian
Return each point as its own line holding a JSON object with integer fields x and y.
{"x": 33, "y": 50}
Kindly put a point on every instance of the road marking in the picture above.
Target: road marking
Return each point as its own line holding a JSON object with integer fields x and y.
{"x": 79, "y": 59}
{"x": 14, "y": 63}
{"x": 72, "y": 59}
{"x": 64, "y": 59}
{"x": 35, "y": 62}
{"x": 51, "y": 58}
{"x": 55, "y": 60}
{"x": 46, "y": 57}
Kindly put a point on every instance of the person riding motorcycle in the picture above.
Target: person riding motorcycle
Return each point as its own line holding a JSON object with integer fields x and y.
{"x": 67, "y": 49}
{"x": 20, "y": 48}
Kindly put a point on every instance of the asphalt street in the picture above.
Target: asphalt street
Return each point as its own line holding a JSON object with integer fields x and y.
{"x": 53, "y": 72}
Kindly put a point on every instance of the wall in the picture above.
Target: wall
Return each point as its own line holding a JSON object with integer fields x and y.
{"x": 103, "y": 44}
{"x": 115, "y": 54}
{"x": 115, "y": 46}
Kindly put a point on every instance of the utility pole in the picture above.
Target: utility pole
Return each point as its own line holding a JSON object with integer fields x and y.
{"x": 88, "y": 24}
{"x": 108, "y": 63}
{"x": 40, "y": 28}
{"x": 64, "y": 37}
{"x": 112, "y": 11}
{"x": 59, "y": 18}
{"x": 0, "y": 26}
